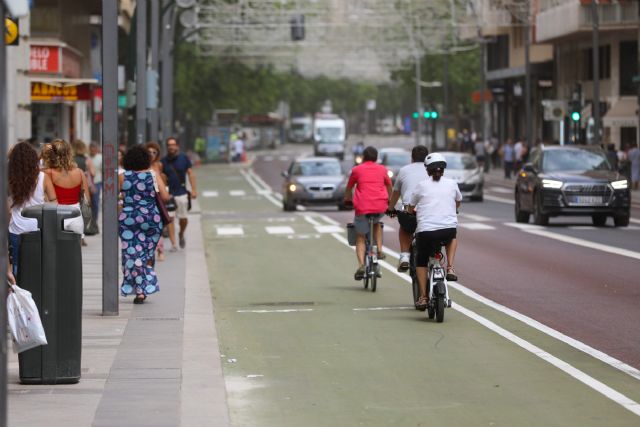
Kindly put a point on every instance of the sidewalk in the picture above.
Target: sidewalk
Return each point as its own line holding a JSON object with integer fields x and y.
{"x": 155, "y": 364}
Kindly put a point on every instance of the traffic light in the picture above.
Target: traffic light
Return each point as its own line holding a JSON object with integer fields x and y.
{"x": 576, "y": 111}
{"x": 431, "y": 113}
{"x": 415, "y": 115}
{"x": 427, "y": 115}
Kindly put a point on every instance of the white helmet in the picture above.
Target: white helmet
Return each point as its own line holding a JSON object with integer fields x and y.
{"x": 435, "y": 161}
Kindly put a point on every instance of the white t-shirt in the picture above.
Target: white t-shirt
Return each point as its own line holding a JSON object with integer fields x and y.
{"x": 435, "y": 203}
{"x": 238, "y": 146}
{"x": 19, "y": 224}
{"x": 408, "y": 178}
{"x": 97, "y": 166}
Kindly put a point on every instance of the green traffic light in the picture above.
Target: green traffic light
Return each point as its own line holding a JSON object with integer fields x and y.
{"x": 434, "y": 114}
{"x": 415, "y": 114}
{"x": 575, "y": 116}
{"x": 427, "y": 114}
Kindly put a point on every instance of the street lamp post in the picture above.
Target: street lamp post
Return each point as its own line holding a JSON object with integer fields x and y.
{"x": 3, "y": 221}
{"x": 527, "y": 80}
{"x": 141, "y": 71}
{"x": 418, "y": 100}
{"x": 166, "y": 91}
{"x": 596, "y": 75}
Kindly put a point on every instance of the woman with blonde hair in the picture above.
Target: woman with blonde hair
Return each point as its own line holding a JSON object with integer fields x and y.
{"x": 68, "y": 181}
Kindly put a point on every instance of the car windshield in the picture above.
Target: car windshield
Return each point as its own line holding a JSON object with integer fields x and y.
{"x": 316, "y": 169}
{"x": 460, "y": 162}
{"x": 299, "y": 127}
{"x": 574, "y": 160}
{"x": 396, "y": 159}
{"x": 328, "y": 135}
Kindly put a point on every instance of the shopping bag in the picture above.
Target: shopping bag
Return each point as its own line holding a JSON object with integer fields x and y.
{"x": 24, "y": 320}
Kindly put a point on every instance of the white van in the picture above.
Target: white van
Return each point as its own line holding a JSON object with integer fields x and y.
{"x": 301, "y": 129}
{"x": 329, "y": 136}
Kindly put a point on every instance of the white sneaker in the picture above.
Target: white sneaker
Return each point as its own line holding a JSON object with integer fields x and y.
{"x": 403, "y": 265}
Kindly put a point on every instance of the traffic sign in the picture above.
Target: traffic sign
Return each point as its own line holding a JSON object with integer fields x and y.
{"x": 11, "y": 32}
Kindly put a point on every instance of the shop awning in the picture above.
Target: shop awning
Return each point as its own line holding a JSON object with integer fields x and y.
{"x": 62, "y": 81}
{"x": 623, "y": 113}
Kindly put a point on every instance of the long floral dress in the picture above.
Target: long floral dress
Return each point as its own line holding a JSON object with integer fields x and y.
{"x": 140, "y": 231}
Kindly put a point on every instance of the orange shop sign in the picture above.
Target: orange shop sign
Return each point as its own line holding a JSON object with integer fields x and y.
{"x": 45, "y": 59}
{"x": 47, "y": 92}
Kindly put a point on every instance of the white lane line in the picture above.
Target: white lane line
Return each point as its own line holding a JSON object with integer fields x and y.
{"x": 539, "y": 231}
{"x": 268, "y": 158}
{"x": 503, "y": 190}
{"x": 635, "y": 221}
{"x": 209, "y": 194}
{"x": 581, "y": 376}
{"x": 499, "y": 199}
{"x": 476, "y": 226}
{"x": 478, "y": 218}
{"x": 329, "y": 229}
{"x": 282, "y": 229}
{"x": 237, "y": 193}
{"x": 283, "y": 158}
{"x": 229, "y": 231}
{"x": 288, "y": 310}
{"x": 383, "y": 308}
{"x": 311, "y": 220}
{"x": 582, "y": 227}
{"x": 255, "y": 186}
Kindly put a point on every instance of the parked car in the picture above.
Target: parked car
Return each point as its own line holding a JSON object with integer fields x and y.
{"x": 393, "y": 159}
{"x": 463, "y": 168}
{"x": 571, "y": 180}
{"x": 314, "y": 181}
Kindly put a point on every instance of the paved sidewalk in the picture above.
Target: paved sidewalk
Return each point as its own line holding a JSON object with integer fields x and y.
{"x": 155, "y": 364}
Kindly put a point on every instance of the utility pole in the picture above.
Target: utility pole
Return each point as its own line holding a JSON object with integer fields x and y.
{"x": 155, "y": 62}
{"x": 418, "y": 99}
{"x": 527, "y": 79}
{"x": 483, "y": 88}
{"x": 595, "y": 107}
{"x": 166, "y": 90}
{"x": 141, "y": 71}
{"x": 3, "y": 220}
{"x": 110, "y": 158}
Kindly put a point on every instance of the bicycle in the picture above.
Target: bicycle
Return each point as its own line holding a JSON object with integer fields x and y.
{"x": 437, "y": 289}
{"x": 371, "y": 267}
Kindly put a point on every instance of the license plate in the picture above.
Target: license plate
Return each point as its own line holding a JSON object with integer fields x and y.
{"x": 322, "y": 195}
{"x": 587, "y": 200}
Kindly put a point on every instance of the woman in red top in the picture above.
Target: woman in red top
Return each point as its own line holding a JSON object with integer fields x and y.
{"x": 68, "y": 180}
{"x": 372, "y": 190}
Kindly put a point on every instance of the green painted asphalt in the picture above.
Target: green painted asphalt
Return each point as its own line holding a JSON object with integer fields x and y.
{"x": 328, "y": 364}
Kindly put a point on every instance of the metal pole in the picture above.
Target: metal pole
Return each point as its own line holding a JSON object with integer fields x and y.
{"x": 527, "y": 82}
{"x": 418, "y": 99}
{"x": 596, "y": 75}
{"x": 3, "y": 221}
{"x": 141, "y": 70}
{"x": 155, "y": 61}
{"x": 167, "y": 68}
{"x": 483, "y": 89}
{"x": 109, "y": 158}
{"x": 446, "y": 84}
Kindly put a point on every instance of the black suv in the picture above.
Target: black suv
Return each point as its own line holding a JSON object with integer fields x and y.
{"x": 571, "y": 180}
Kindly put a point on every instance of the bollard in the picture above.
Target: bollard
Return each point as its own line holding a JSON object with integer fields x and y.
{"x": 51, "y": 269}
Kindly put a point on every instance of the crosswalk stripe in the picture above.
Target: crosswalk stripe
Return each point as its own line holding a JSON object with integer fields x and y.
{"x": 329, "y": 229}
{"x": 474, "y": 217}
{"x": 237, "y": 193}
{"x": 267, "y": 158}
{"x": 500, "y": 190}
{"x": 209, "y": 194}
{"x": 279, "y": 229}
{"x": 229, "y": 231}
{"x": 476, "y": 226}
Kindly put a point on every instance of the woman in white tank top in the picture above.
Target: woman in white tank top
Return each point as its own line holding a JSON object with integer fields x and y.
{"x": 27, "y": 187}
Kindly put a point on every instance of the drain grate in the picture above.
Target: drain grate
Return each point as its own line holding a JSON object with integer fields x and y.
{"x": 282, "y": 303}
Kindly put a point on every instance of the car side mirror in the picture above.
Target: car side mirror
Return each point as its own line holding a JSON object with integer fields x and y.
{"x": 528, "y": 167}
{"x": 284, "y": 174}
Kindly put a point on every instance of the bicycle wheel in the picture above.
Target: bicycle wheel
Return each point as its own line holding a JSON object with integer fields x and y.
{"x": 374, "y": 278}
{"x": 439, "y": 309}
{"x": 366, "y": 277}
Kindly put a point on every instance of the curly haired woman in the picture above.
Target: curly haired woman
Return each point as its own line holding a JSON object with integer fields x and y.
{"x": 27, "y": 187}
{"x": 68, "y": 180}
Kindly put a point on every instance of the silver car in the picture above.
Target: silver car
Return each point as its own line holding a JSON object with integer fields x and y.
{"x": 393, "y": 159}
{"x": 463, "y": 168}
{"x": 313, "y": 181}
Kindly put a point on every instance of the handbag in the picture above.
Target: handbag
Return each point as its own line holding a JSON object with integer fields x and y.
{"x": 85, "y": 210}
{"x": 24, "y": 320}
{"x": 164, "y": 212}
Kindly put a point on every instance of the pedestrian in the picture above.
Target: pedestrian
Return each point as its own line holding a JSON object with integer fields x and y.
{"x": 177, "y": 167}
{"x": 508, "y": 156}
{"x": 634, "y": 162}
{"x": 238, "y": 148}
{"x": 153, "y": 148}
{"x": 68, "y": 181}
{"x": 95, "y": 156}
{"x": 480, "y": 152}
{"x": 140, "y": 226}
{"x": 80, "y": 157}
{"x": 372, "y": 191}
{"x": 612, "y": 156}
{"x": 519, "y": 153}
{"x": 28, "y": 186}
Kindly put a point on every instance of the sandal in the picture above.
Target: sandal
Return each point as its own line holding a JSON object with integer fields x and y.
{"x": 382, "y": 255}
{"x": 451, "y": 273}
{"x": 139, "y": 299}
{"x": 421, "y": 304}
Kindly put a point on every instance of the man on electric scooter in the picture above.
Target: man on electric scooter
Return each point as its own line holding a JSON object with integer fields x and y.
{"x": 435, "y": 202}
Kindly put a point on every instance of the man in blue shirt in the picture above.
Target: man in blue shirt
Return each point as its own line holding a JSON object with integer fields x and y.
{"x": 176, "y": 166}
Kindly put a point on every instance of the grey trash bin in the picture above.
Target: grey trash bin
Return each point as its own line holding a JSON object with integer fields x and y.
{"x": 51, "y": 269}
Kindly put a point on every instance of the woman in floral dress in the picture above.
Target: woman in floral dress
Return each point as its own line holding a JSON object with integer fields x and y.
{"x": 140, "y": 224}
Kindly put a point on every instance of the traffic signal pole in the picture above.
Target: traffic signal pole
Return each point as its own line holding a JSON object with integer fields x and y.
{"x": 596, "y": 74}
{"x": 3, "y": 220}
{"x": 418, "y": 100}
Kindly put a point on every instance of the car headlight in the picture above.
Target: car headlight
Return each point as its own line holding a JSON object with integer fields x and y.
{"x": 551, "y": 183}
{"x": 292, "y": 187}
{"x": 390, "y": 174}
{"x": 620, "y": 185}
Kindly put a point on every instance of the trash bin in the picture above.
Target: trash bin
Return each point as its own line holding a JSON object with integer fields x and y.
{"x": 51, "y": 269}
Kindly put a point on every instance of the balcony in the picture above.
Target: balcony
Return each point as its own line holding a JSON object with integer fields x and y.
{"x": 494, "y": 22}
{"x": 562, "y": 18}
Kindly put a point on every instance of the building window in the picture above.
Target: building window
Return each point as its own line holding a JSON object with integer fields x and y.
{"x": 604, "y": 69}
{"x": 628, "y": 67}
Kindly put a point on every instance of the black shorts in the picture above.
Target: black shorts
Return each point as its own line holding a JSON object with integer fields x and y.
{"x": 429, "y": 242}
{"x": 407, "y": 222}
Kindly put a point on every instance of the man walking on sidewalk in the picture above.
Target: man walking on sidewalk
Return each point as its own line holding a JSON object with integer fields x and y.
{"x": 177, "y": 166}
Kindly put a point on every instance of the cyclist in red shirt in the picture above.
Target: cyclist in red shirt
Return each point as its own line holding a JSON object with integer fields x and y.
{"x": 371, "y": 196}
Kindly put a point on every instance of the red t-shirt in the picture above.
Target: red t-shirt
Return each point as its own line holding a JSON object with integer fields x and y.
{"x": 371, "y": 181}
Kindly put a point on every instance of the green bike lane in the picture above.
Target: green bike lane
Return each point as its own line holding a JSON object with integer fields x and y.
{"x": 303, "y": 343}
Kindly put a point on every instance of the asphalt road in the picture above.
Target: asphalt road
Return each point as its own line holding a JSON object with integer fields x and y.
{"x": 542, "y": 332}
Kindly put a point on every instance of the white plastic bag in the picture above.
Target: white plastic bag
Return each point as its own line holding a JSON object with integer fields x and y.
{"x": 24, "y": 320}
